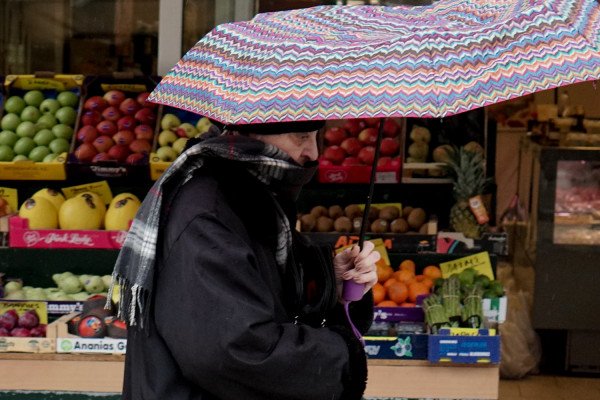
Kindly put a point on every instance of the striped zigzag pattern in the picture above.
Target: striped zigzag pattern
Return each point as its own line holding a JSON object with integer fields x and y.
{"x": 334, "y": 62}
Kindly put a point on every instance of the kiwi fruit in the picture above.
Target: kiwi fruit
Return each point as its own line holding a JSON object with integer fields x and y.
{"x": 319, "y": 211}
{"x": 342, "y": 224}
{"x": 324, "y": 224}
{"x": 406, "y": 211}
{"x": 356, "y": 224}
{"x": 353, "y": 211}
{"x": 389, "y": 213}
{"x": 307, "y": 222}
{"x": 399, "y": 225}
{"x": 416, "y": 218}
{"x": 380, "y": 226}
{"x": 373, "y": 213}
{"x": 335, "y": 212}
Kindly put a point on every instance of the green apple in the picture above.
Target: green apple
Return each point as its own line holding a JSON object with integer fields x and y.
{"x": 10, "y": 122}
{"x": 93, "y": 284}
{"x": 38, "y": 153}
{"x": 167, "y": 138}
{"x": 67, "y": 98}
{"x": 107, "y": 279}
{"x": 166, "y": 153}
{"x": 46, "y": 121}
{"x": 18, "y": 295}
{"x": 30, "y": 113}
{"x": 34, "y": 98}
{"x": 66, "y": 115}
{"x": 23, "y": 146}
{"x": 203, "y": 125}
{"x": 70, "y": 285}
{"x": 169, "y": 121}
{"x": 44, "y": 137}
{"x": 59, "y": 145}
{"x": 6, "y": 153}
{"x": 189, "y": 130}
{"x": 81, "y": 296}
{"x": 8, "y": 138}
{"x": 20, "y": 157}
{"x": 26, "y": 129}
{"x": 13, "y": 286}
{"x": 62, "y": 131}
{"x": 179, "y": 145}
{"x": 50, "y": 157}
{"x": 49, "y": 106}
{"x": 14, "y": 104}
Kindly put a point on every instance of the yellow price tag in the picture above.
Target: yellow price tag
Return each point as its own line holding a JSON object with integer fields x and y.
{"x": 125, "y": 87}
{"x": 480, "y": 262}
{"x": 10, "y": 195}
{"x": 20, "y": 306}
{"x": 454, "y": 331}
{"x": 100, "y": 188}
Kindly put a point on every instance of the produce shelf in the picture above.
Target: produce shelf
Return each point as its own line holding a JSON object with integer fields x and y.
{"x": 387, "y": 378}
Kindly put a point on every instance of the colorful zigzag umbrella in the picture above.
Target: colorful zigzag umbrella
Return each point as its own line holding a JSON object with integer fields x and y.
{"x": 334, "y": 62}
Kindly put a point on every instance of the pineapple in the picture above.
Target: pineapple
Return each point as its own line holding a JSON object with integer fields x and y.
{"x": 467, "y": 169}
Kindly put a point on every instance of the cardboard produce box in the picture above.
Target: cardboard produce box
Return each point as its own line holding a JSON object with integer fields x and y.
{"x": 115, "y": 128}
{"x": 38, "y": 120}
{"x": 464, "y": 346}
{"x": 12, "y": 315}
{"x": 402, "y": 347}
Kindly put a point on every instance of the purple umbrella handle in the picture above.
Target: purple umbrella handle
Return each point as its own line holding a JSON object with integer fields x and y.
{"x": 352, "y": 291}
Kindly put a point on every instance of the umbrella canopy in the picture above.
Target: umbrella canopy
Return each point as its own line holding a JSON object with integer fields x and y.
{"x": 336, "y": 62}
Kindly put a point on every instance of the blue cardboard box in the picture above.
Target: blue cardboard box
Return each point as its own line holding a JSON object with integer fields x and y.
{"x": 482, "y": 347}
{"x": 401, "y": 347}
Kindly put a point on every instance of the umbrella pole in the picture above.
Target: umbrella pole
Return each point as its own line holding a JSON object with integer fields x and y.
{"x": 365, "y": 217}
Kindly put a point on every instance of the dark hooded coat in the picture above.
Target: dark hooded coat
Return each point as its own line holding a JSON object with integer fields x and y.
{"x": 225, "y": 321}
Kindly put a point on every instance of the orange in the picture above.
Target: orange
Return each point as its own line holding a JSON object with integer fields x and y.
{"x": 433, "y": 272}
{"x": 397, "y": 292}
{"x": 387, "y": 283}
{"x": 408, "y": 265}
{"x": 384, "y": 272}
{"x": 378, "y": 293}
{"x": 419, "y": 278}
{"x": 407, "y": 304}
{"x": 387, "y": 303}
{"x": 416, "y": 289}
{"x": 404, "y": 276}
{"x": 427, "y": 282}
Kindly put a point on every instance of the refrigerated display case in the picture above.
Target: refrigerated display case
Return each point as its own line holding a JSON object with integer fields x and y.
{"x": 564, "y": 244}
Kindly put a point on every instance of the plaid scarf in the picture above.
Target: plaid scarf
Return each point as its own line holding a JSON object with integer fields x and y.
{"x": 134, "y": 268}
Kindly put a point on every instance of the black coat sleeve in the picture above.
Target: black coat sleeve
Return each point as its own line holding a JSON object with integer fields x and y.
{"x": 216, "y": 313}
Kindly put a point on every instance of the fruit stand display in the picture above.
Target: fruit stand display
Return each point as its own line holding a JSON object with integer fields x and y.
{"x": 77, "y": 226}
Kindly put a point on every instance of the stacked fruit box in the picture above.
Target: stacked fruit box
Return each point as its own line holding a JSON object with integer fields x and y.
{"x": 23, "y": 327}
{"x": 174, "y": 128}
{"x": 115, "y": 130}
{"x": 38, "y": 118}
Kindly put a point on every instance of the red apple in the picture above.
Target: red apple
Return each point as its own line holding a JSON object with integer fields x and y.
{"x": 143, "y": 132}
{"x": 335, "y": 136}
{"x": 135, "y": 158}
{"x": 126, "y": 123}
{"x": 389, "y": 146}
{"x": 111, "y": 114}
{"x": 367, "y": 154}
{"x": 140, "y": 146}
{"x": 114, "y": 97}
{"x": 335, "y": 154}
{"x": 351, "y": 145}
{"x": 384, "y": 162}
{"x": 353, "y": 127}
{"x": 103, "y": 143}
{"x": 390, "y": 128}
{"x": 351, "y": 161}
{"x": 368, "y": 136}
{"x": 396, "y": 163}
{"x": 91, "y": 118}
{"x": 129, "y": 106}
{"x": 106, "y": 128}
{"x": 142, "y": 97}
{"x": 119, "y": 152}
{"x": 323, "y": 162}
{"x": 85, "y": 152}
{"x": 95, "y": 103}
{"x": 101, "y": 157}
{"x": 87, "y": 134}
{"x": 146, "y": 116}
{"x": 372, "y": 122}
{"x": 124, "y": 137}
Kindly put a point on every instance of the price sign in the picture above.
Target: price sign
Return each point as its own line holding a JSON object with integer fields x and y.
{"x": 480, "y": 262}
{"x": 100, "y": 188}
{"x": 10, "y": 195}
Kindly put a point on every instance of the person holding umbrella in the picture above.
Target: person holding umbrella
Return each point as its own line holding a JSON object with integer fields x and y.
{"x": 223, "y": 298}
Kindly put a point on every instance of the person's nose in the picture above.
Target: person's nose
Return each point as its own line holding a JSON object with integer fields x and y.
{"x": 311, "y": 151}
